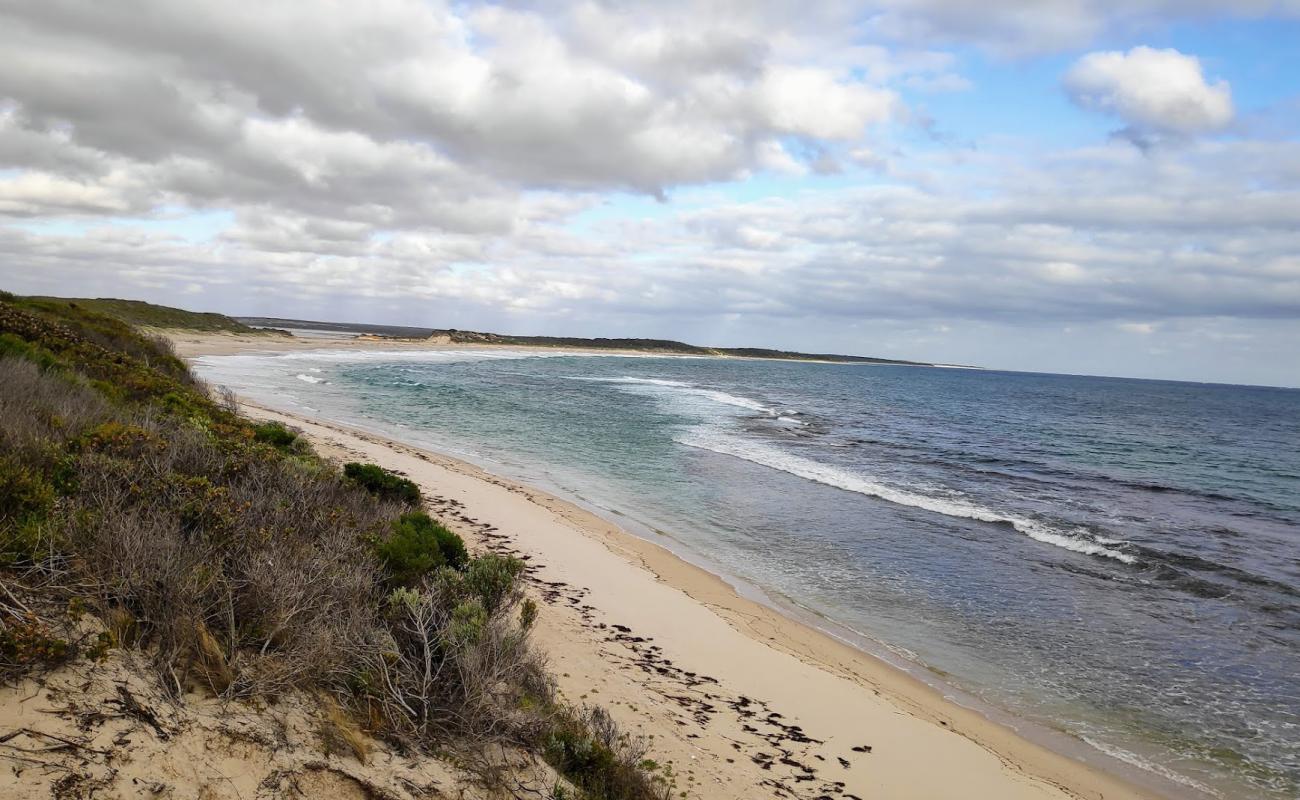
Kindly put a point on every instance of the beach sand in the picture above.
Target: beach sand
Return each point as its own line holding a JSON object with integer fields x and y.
{"x": 739, "y": 701}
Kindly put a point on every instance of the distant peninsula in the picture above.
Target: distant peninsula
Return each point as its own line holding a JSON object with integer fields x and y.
{"x": 149, "y": 315}
{"x": 666, "y": 346}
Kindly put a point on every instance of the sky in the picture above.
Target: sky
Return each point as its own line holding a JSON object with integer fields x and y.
{"x": 1086, "y": 186}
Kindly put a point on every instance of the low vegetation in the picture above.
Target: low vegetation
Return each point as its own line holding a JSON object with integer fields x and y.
{"x": 241, "y": 562}
{"x": 148, "y": 315}
{"x": 417, "y": 546}
{"x": 381, "y": 482}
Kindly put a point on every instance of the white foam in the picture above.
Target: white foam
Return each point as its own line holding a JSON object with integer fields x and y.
{"x": 1132, "y": 759}
{"x": 650, "y": 381}
{"x": 807, "y": 469}
{"x": 310, "y": 378}
{"x": 681, "y": 389}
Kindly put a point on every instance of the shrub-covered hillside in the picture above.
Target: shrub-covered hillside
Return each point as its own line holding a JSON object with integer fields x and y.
{"x": 148, "y": 315}
{"x": 242, "y": 563}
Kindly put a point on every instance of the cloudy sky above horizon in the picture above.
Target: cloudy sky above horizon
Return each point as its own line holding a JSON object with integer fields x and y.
{"x": 1088, "y": 186}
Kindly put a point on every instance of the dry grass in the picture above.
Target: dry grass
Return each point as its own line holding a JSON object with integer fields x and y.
{"x": 210, "y": 661}
{"x": 37, "y": 407}
{"x": 339, "y": 733}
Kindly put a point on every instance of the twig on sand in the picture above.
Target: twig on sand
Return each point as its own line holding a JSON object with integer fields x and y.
{"x": 127, "y": 702}
{"x": 66, "y": 743}
{"x": 36, "y": 761}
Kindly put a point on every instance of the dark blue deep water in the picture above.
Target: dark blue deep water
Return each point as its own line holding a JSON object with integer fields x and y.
{"x": 1115, "y": 559}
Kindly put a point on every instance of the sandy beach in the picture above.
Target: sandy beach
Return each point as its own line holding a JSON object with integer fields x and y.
{"x": 739, "y": 700}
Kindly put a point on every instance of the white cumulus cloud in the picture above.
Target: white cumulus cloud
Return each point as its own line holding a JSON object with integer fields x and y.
{"x": 1155, "y": 91}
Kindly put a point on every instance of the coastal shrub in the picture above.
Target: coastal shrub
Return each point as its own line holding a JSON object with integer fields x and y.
{"x": 127, "y": 365}
{"x": 469, "y": 621}
{"x": 217, "y": 553}
{"x": 238, "y": 560}
{"x": 587, "y": 748}
{"x": 12, "y": 346}
{"x": 457, "y": 667}
{"x": 26, "y": 498}
{"x": 379, "y": 481}
{"x": 281, "y": 437}
{"x": 493, "y": 579}
{"x": 27, "y": 641}
{"x": 24, "y": 493}
{"x": 419, "y": 545}
{"x": 38, "y": 406}
{"x": 274, "y": 434}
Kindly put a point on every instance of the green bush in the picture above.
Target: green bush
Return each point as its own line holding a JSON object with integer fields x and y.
{"x": 11, "y": 345}
{"x": 492, "y": 579}
{"x": 468, "y": 622}
{"x": 577, "y": 755}
{"x": 419, "y": 545}
{"x": 381, "y": 482}
{"x": 587, "y": 748}
{"x": 26, "y": 497}
{"x": 276, "y": 435}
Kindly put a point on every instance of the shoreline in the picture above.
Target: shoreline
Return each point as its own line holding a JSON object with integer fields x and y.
{"x": 829, "y": 691}
{"x": 1027, "y": 767}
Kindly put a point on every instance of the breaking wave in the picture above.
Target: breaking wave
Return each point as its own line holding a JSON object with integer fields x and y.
{"x": 807, "y": 469}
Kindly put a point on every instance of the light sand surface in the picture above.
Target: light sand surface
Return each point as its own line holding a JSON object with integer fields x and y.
{"x": 103, "y": 729}
{"x": 190, "y": 344}
{"x": 740, "y": 701}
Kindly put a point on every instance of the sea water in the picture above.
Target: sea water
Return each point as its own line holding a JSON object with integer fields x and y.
{"x": 1117, "y": 560}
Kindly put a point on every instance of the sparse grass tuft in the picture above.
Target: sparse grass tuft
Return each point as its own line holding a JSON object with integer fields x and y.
{"x": 210, "y": 661}
{"x": 339, "y": 733}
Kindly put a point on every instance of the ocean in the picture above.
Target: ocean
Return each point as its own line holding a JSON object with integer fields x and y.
{"x": 1115, "y": 561}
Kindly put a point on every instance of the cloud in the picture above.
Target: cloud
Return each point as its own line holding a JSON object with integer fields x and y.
{"x": 485, "y": 164}
{"x": 397, "y": 113}
{"x": 1162, "y": 92}
{"x": 809, "y": 102}
{"x": 1210, "y": 230}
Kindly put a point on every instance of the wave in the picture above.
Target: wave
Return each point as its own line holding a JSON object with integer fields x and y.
{"x": 689, "y": 389}
{"x": 1046, "y": 474}
{"x": 310, "y": 378}
{"x": 1134, "y": 760}
{"x": 833, "y": 476}
{"x": 651, "y": 381}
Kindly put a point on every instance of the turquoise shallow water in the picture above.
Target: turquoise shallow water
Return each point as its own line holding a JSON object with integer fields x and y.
{"x": 1116, "y": 559}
